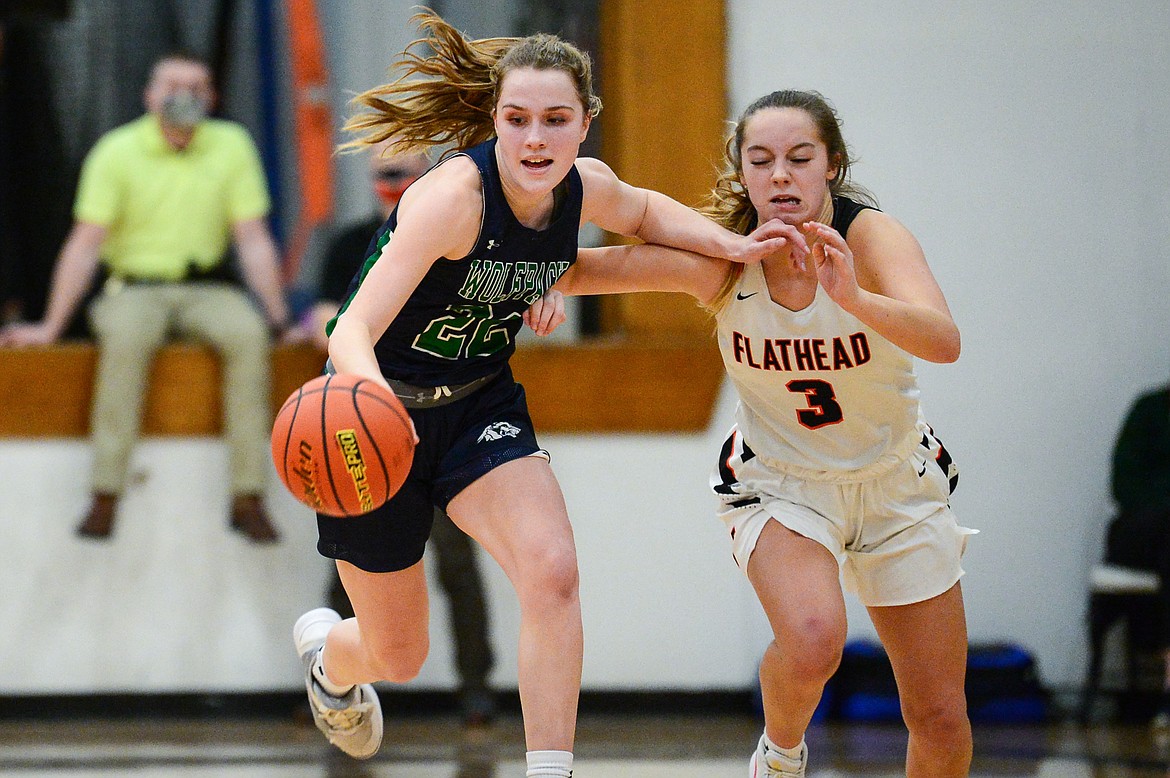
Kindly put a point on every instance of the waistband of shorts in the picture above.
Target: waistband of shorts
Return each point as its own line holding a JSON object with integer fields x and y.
{"x": 884, "y": 464}
{"x": 429, "y": 396}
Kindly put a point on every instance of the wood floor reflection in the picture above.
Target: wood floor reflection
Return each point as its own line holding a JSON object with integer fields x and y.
{"x": 607, "y": 747}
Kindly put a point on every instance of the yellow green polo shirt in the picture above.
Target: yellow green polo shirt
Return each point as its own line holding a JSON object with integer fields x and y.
{"x": 166, "y": 210}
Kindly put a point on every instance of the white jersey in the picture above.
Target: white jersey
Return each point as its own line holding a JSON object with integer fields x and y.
{"x": 821, "y": 395}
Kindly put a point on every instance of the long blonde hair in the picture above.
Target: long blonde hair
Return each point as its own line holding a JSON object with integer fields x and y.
{"x": 446, "y": 97}
{"x": 729, "y": 204}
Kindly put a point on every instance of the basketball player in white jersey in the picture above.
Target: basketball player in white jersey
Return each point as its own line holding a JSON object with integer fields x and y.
{"x": 830, "y": 463}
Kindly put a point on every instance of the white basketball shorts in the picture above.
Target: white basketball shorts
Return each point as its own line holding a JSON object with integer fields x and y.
{"x": 894, "y": 535}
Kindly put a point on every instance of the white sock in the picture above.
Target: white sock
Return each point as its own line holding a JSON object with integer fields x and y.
{"x": 330, "y": 688}
{"x": 791, "y": 754}
{"x": 550, "y": 764}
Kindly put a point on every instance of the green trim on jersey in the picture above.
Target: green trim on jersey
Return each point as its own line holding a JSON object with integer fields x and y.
{"x": 366, "y": 265}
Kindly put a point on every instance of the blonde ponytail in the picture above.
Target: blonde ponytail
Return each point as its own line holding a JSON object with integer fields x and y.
{"x": 446, "y": 97}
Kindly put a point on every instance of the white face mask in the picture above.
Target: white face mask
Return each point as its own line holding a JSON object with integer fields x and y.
{"x": 184, "y": 109}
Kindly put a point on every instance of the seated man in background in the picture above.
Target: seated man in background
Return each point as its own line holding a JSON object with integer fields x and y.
{"x": 159, "y": 201}
{"x": 1139, "y": 536}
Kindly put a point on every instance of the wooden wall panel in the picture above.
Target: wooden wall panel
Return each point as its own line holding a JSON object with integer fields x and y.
{"x": 46, "y": 392}
{"x": 629, "y": 386}
{"x": 600, "y": 387}
{"x": 663, "y": 124}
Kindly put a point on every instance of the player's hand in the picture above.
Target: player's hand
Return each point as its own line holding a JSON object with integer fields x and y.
{"x": 833, "y": 261}
{"x": 547, "y": 313}
{"x": 769, "y": 239}
{"x": 381, "y": 381}
{"x": 24, "y": 334}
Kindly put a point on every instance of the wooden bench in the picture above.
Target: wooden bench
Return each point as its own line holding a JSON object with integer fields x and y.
{"x": 598, "y": 387}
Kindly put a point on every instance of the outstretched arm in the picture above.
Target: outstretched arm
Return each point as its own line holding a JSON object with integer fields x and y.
{"x": 651, "y": 216}
{"x": 72, "y": 277}
{"x": 641, "y": 268}
{"x": 644, "y": 268}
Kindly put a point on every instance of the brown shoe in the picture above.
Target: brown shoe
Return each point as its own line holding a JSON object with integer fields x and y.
{"x": 250, "y": 518}
{"x": 99, "y": 522}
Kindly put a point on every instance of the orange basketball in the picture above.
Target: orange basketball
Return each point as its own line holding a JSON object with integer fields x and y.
{"x": 342, "y": 444}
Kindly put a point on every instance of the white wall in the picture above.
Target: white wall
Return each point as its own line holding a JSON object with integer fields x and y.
{"x": 175, "y": 601}
{"x": 1020, "y": 142}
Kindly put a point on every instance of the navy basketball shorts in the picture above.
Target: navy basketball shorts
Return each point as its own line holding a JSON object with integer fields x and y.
{"x": 458, "y": 443}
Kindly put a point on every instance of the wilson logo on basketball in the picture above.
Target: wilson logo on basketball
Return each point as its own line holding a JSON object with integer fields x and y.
{"x": 356, "y": 466}
{"x": 307, "y": 475}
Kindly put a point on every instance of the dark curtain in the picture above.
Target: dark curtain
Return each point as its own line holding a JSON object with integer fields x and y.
{"x": 71, "y": 73}
{"x": 14, "y": 14}
{"x": 576, "y": 21}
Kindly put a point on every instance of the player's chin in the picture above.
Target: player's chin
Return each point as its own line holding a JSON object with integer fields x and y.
{"x": 770, "y": 213}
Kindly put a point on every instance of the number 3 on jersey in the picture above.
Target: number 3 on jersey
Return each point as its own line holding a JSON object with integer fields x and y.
{"x": 823, "y": 408}
{"x": 464, "y": 331}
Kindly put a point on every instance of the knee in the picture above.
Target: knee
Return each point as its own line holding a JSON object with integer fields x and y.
{"x": 549, "y": 578}
{"x": 397, "y": 661}
{"x": 813, "y": 648}
{"x": 940, "y": 721}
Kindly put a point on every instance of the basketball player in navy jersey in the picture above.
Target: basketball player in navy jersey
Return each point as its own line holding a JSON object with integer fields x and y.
{"x": 433, "y": 314}
{"x": 830, "y": 463}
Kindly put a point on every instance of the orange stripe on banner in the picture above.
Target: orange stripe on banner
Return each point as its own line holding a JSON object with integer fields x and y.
{"x": 313, "y": 126}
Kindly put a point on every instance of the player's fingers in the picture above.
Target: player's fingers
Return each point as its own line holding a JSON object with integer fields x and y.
{"x": 828, "y": 235}
{"x": 552, "y": 313}
{"x": 776, "y": 228}
{"x": 557, "y": 318}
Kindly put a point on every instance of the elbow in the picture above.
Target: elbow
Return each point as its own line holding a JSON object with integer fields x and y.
{"x": 941, "y": 347}
{"x": 947, "y": 348}
{"x": 640, "y": 227}
{"x": 337, "y": 339}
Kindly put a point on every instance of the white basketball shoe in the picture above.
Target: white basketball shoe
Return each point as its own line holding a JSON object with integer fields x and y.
{"x": 767, "y": 763}
{"x": 353, "y": 723}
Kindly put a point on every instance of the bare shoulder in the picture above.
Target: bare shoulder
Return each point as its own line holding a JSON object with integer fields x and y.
{"x": 606, "y": 200}
{"x": 455, "y": 179}
{"x": 875, "y": 236}
{"x": 595, "y": 175}
{"x": 591, "y": 166}
{"x": 446, "y": 201}
{"x": 886, "y": 255}
{"x": 870, "y": 223}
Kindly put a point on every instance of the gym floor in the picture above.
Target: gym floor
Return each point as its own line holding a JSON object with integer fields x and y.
{"x": 608, "y": 746}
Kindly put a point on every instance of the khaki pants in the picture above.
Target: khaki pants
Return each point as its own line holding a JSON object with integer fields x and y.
{"x": 131, "y": 323}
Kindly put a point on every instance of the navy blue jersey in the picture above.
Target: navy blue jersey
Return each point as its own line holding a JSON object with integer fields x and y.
{"x": 461, "y": 322}
{"x": 845, "y": 211}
